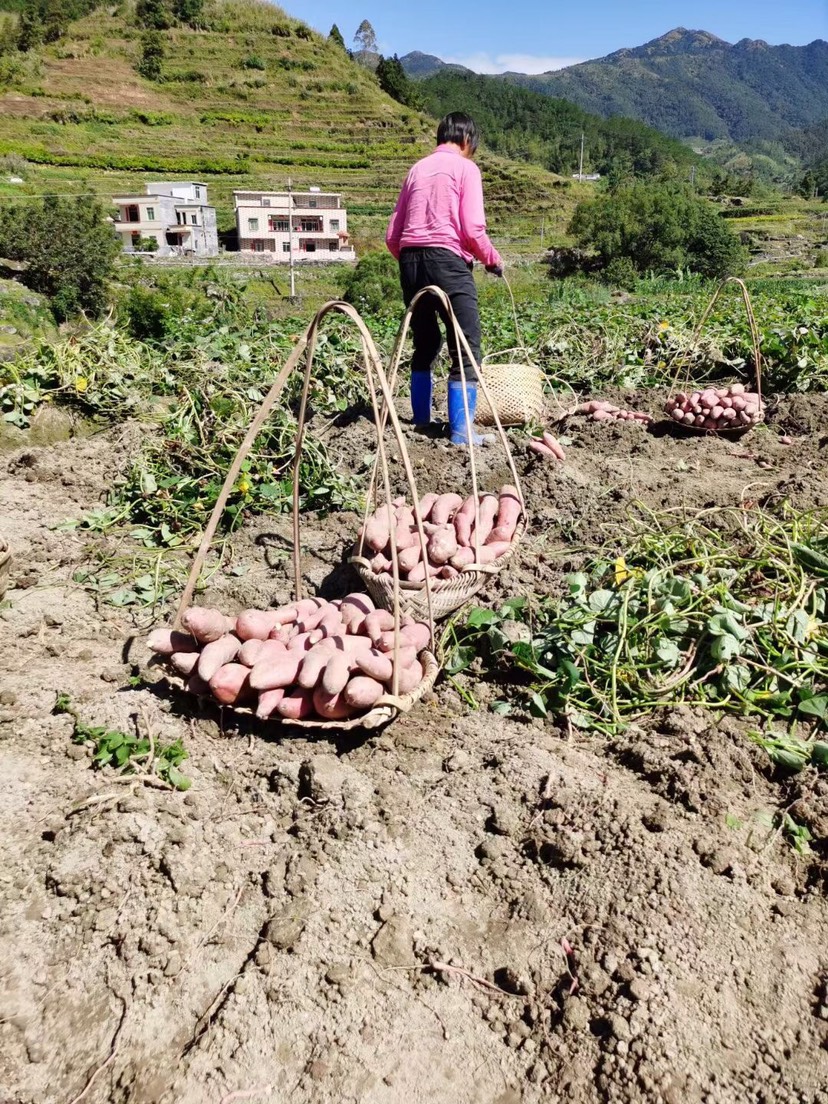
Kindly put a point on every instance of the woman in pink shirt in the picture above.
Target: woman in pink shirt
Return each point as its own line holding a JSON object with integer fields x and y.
{"x": 437, "y": 231}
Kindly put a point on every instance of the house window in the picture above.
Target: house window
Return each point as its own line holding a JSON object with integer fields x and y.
{"x": 334, "y": 224}
{"x": 279, "y": 225}
{"x": 253, "y": 224}
{"x": 333, "y": 246}
{"x": 286, "y": 247}
{"x": 194, "y": 219}
{"x": 258, "y": 246}
{"x": 265, "y": 201}
{"x": 311, "y": 203}
{"x": 132, "y": 214}
{"x": 310, "y": 247}
{"x": 150, "y": 214}
{"x": 310, "y": 225}
{"x": 198, "y": 193}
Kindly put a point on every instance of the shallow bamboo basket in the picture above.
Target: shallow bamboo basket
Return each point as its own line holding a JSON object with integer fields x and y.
{"x": 515, "y": 390}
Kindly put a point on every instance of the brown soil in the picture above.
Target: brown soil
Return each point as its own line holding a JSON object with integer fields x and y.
{"x": 267, "y": 936}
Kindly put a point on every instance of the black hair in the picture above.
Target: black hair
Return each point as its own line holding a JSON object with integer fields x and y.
{"x": 459, "y": 129}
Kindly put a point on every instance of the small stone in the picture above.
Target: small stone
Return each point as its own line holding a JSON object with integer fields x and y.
{"x": 640, "y": 990}
{"x": 619, "y": 1028}
{"x": 173, "y": 965}
{"x": 8, "y": 697}
{"x": 576, "y": 1015}
{"x": 318, "y": 1070}
{"x": 529, "y": 1046}
{"x": 393, "y": 943}
{"x": 76, "y": 751}
{"x": 284, "y": 932}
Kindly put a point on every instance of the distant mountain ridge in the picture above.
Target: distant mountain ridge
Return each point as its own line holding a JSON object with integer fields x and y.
{"x": 418, "y": 65}
{"x": 690, "y": 83}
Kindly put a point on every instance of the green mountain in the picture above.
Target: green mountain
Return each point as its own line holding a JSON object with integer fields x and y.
{"x": 418, "y": 65}
{"x": 693, "y": 84}
{"x": 525, "y": 125}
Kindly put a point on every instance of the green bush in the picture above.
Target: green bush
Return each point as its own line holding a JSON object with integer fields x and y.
{"x": 72, "y": 230}
{"x": 621, "y": 272}
{"x": 373, "y": 285}
{"x": 659, "y": 228}
{"x": 821, "y": 259}
{"x": 253, "y": 61}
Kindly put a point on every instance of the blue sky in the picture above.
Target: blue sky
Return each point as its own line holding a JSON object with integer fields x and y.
{"x": 535, "y": 35}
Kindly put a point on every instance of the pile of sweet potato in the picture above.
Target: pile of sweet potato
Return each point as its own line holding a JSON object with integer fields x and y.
{"x": 599, "y": 410}
{"x": 329, "y": 660}
{"x": 452, "y": 528}
{"x": 716, "y": 408}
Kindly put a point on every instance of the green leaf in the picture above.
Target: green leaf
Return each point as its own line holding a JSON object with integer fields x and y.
{"x": 461, "y": 658}
{"x": 601, "y": 600}
{"x": 577, "y": 584}
{"x": 726, "y": 624}
{"x": 798, "y": 625}
{"x": 668, "y": 652}
{"x": 736, "y": 678}
{"x": 819, "y": 753}
{"x": 817, "y": 706}
{"x": 725, "y": 647}
{"x": 177, "y": 779}
{"x": 537, "y": 705}
{"x": 479, "y": 617}
{"x": 502, "y": 708}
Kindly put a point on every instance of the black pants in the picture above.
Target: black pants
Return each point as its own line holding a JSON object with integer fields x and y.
{"x": 421, "y": 267}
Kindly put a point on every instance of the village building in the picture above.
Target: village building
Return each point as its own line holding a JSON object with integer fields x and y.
{"x": 302, "y": 226}
{"x": 175, "y": 215}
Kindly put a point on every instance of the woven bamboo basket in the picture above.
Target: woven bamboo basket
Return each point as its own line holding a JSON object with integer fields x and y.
{"x": 5, "y": 568}
{"x": 447, "y": 595}
{"x": 739, "y": 430}
{"x": 436, "y": 598}
{"x": 516, "y": 390}
{"x": 390, "y": 705}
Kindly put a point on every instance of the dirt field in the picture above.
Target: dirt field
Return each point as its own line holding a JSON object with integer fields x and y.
{"x": 268, "y": 935}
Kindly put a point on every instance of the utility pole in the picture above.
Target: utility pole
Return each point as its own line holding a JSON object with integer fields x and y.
{"x": 581, "y": 162}
{"x": 290, "y": 238}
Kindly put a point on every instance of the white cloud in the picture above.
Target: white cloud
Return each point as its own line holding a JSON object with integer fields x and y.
{"x": 513, "y": 63}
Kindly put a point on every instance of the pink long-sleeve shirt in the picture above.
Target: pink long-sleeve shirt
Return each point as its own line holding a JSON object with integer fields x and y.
{"x": 441, "y": 206}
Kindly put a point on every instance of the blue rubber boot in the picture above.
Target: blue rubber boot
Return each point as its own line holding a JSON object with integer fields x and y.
{"x": 457, "y": 414}
{"x": 422, "y": 389}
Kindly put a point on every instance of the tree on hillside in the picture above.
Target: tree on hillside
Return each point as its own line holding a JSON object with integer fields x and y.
{"x": 393, "y": 81}
{"x": 335, "y": 36}
{"x": 365, "y": 37}
{"x": 152, "y": 55}
{"x": 153, "y": 14}
{"x": 68, "y": 250}
{"x": 30, "y": 28}
{"x": 657, "y": 227}
{"x": 189, "y": 11}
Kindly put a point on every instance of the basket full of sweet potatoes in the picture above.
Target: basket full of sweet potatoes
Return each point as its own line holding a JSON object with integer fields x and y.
{"x": 313, "y": 663}
{"x": 465, "y": 541}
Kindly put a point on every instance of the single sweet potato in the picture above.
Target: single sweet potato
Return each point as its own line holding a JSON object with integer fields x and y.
{"x": 464, "y": 520}
{"x": 462, "y": 557}
{"x": 216, "y": 654}
{"x": 442, "y": 545}
{"x": 489, "y": 505}
{"x": 490, "y": 552}
{"x": 426, "y": 504}
{"x": 445, "y": 507}
{"x": 204, "y": 623}
{"x": 230, "y": 684}
{"x": 254, "y": 624}
{"x": 184, "y": 662}
{"x": 410, "y": 677}
{"x": 417, "y": 635}
{"x": 376, "y": 530}
{"x": 313, "y": 664}
{"x": 378, "y": 622}
{"x": 166, "y": 641}
{"x": 409, "y": 557}
{"x": 508, "y": 515}
{"x": 375, "y": 664}
{"x": 196, "y": 685}
{"x": 336, "y": 673}
{"x": 418, "y": 573}
{"x": 362, "y": 692}
{"x": 332, "y": 707}
{"x": 296, "y": 705}
{"x": 277, "y": 671}
{"x": 268, "y": 700}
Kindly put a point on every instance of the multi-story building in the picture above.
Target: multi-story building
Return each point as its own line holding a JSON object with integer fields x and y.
{"x": 175, "y": 214}
{"x": 307, "y": 226}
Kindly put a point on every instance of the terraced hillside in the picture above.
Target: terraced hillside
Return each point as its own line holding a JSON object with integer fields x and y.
{"x": 252, "y": 98}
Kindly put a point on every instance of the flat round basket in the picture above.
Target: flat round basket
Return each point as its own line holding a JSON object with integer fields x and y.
{"x": 447, "y": 595}
{"x": 5, "y": 567}
{"x": 384, "y": 710}
{"x": 517, "y": 392}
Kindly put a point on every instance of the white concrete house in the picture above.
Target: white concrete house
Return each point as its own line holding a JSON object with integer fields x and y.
{"x": 309, "y": 226}
{"x": 176, "y": 214}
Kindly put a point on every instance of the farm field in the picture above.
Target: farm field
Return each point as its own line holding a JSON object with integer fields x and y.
{"x": 583, "y": 867}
